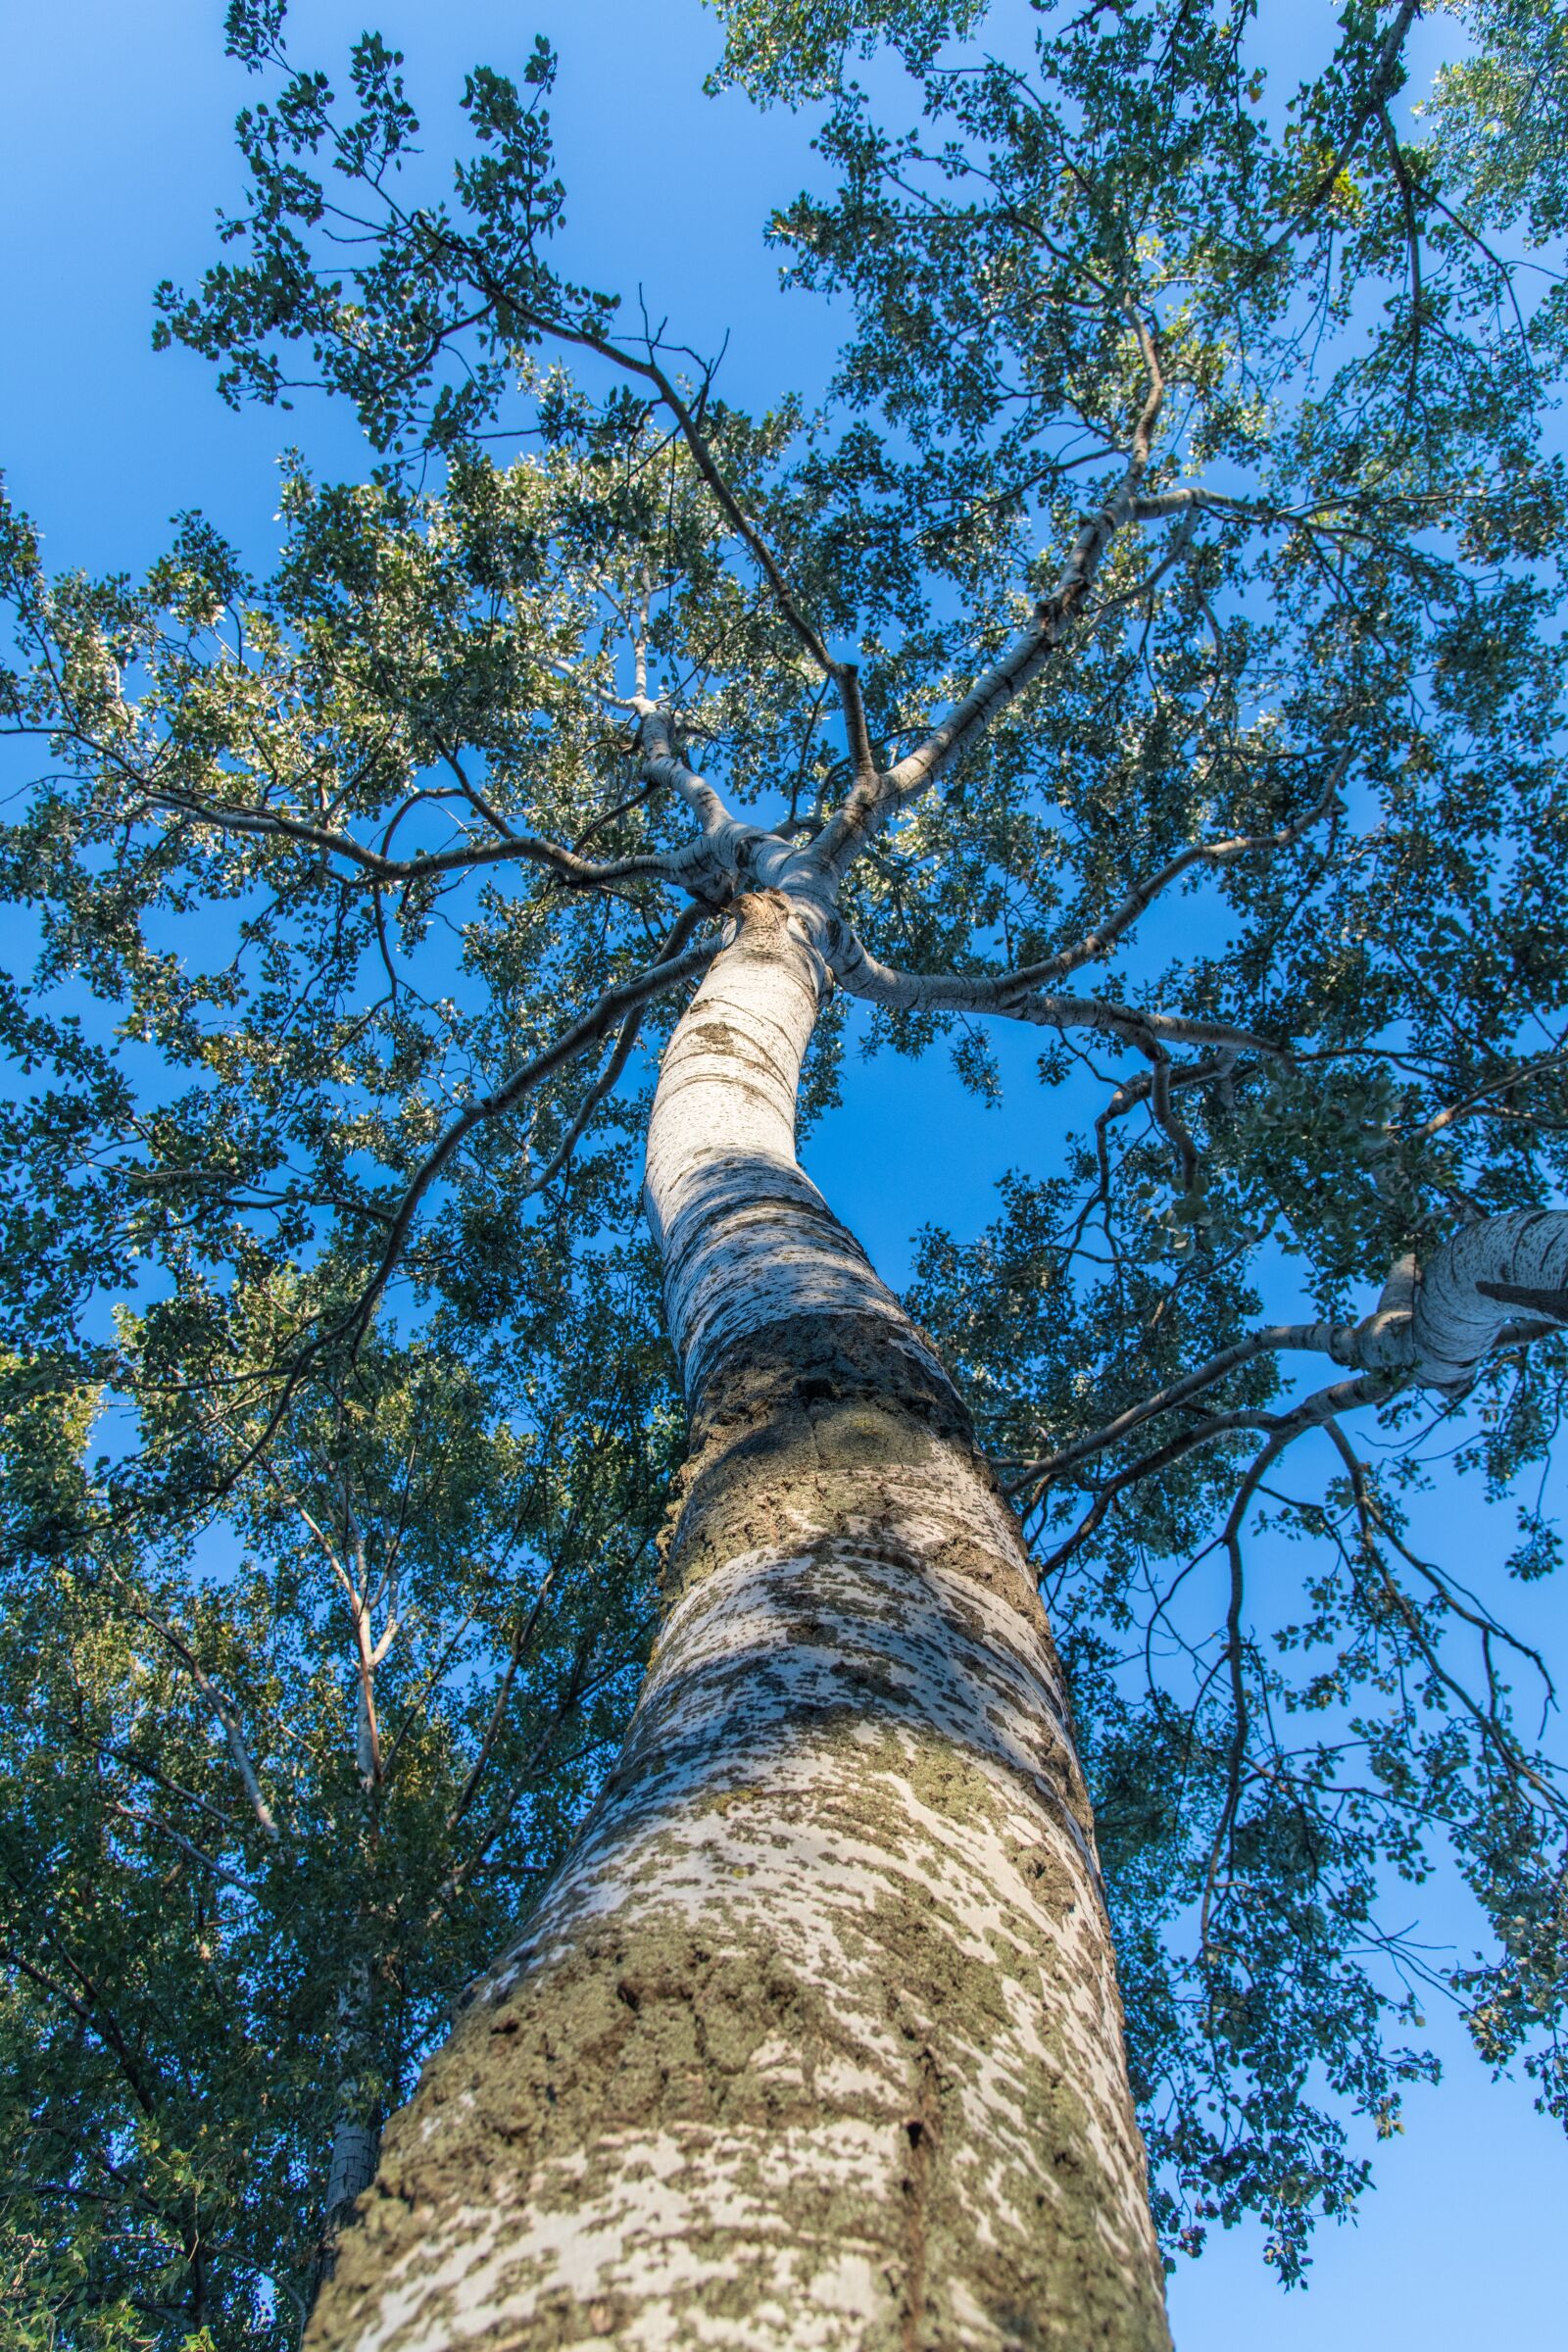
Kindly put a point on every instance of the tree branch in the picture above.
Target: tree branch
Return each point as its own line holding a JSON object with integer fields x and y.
{"x": 585, "y": 338}
{"x": 1378, "y": 90}
{"x": 874, "y": 799}
{"x": 1486, "y": 1719}
{"x": 1008, "y": 995}
{"x": 1431, "y": 1329}
{"x": 1095, "y": 945}
{"x": 578, "y": 874}
{"x": 167, "y": 1829}
{"x": 225, "y": 1715}
{"x": 1316, "y": 1338}
{"x": 612, "y": 1008}
{"x": 1372, "y": 1388}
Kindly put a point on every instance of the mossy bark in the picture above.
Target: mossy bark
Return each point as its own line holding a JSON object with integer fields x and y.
{"x": 815, "y": 2039}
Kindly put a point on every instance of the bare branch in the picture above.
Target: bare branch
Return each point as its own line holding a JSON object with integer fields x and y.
{"x": 1518, "y": 1075}
{"x": 1175, "y": 1129}
{"x": 1421, "y": 1331}
{"x": 605, "y": 1084}
{"x": 577, "y": 873}
{"x": 1492, "y": 1729}
{"x": 1009, "y": 996}
{"x": 1317, "y": 1338}
{"x": 521, "y": 1640}
{"x": 707, "y": 466}
{"x": 1372, "y": 1388}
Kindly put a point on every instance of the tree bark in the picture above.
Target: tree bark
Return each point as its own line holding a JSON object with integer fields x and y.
{"x": 350, "y": 2168}
{"x": 815, "y": 2041}
{"x": 356, "y": 2140}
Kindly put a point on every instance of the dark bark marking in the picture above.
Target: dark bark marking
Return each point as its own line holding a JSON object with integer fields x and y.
{"x": 1553, "y": 1305}
{"x": 922, "y": 2132}
{"x": 650, "y": 2020}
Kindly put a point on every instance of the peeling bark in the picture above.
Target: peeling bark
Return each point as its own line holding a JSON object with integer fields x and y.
{"x": 815, "y": 2041}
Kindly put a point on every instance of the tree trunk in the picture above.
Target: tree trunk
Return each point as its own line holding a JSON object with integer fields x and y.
{"x": 355, "y": 2141}
{"x": 350, "y": 2168}
{"x": 815, "y": 2040}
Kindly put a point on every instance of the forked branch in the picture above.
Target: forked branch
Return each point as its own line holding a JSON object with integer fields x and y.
{"x": 1500, "y": 1283}
{"x": 261, "y": 823}
{"x": 876, "y": 798}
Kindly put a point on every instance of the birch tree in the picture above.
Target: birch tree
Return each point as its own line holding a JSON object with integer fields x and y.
{"x": 1152, "y": 643}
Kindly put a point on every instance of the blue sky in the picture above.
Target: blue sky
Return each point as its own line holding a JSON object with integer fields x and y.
{"x": 114, "y": 146}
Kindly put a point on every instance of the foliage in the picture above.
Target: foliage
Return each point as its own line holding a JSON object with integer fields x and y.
{"x": 242, "y": 1878}
{"x": 330, "y": 870}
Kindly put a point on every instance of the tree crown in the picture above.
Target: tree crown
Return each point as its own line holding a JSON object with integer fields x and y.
{"x": 1152, "y": 641}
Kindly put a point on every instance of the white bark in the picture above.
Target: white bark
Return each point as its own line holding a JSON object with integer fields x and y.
{"x": 745, "y": 1236}
{"x": 815, "y": 2041}
{"x": 1010, "y": 995}
{"x": 1499, "y": 1279}
{"x": 1498, "y": 1273}
{"x": 356, "y": 2140}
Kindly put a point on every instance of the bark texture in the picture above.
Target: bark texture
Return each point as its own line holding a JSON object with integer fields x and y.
{"x": 815, "y": 2040}
{"x": 1496, "y": 1272}
{"x": 351, "y": 2169}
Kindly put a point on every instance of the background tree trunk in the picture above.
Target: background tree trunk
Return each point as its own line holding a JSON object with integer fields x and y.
{"x": 350, "y": 2168}
{"x": 815, "y": 2040}
{"x": 356, "y": 2139}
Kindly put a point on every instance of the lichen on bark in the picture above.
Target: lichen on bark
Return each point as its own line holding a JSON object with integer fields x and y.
{"x": 815, "y": 2039}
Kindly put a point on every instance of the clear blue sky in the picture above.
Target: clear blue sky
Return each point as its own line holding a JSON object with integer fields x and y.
{"x": 114, "y": 147}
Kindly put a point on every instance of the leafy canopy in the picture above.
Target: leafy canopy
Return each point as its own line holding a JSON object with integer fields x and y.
{"x": 355, "y": 902}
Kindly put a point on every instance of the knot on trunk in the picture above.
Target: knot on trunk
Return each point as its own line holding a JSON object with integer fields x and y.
{"x": 763, "y": 922}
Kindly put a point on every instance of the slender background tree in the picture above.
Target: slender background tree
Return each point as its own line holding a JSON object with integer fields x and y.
{"x": 1304, "y": 646}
